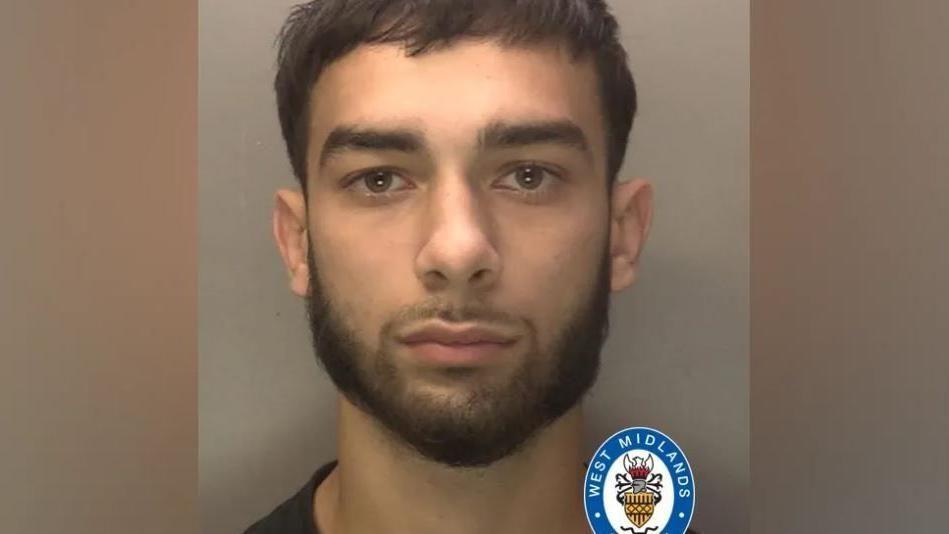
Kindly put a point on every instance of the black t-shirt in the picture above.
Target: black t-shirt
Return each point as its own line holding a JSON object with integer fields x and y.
{"x": 295, "y": 515}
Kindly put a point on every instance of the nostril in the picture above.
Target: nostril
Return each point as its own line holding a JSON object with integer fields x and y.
{"x": 480, "y": 275}
{"x": 436, "y": 277}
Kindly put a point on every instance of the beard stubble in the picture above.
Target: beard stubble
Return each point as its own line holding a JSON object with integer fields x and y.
{"x": 489, "y": 421}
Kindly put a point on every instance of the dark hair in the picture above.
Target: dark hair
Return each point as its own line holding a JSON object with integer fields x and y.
{"x": 321, "y": 31}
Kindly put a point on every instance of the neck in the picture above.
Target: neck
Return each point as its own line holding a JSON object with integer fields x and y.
{"x": 385, "y": 487}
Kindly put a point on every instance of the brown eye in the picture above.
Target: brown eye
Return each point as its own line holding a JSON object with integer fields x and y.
{"x": 529, "y": 177}
{"x": 378, "y": 184}
{"x": 378, "y": 181}
{"x": 531, "y": 182}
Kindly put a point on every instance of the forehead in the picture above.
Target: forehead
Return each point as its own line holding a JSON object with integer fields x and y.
{"x": 452, "y": 92}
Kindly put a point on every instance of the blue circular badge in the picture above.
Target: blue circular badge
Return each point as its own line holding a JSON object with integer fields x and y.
{"x": 640, "y": 482}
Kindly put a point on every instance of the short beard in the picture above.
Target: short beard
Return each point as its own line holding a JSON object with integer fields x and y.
{"x": 488, "y": 423}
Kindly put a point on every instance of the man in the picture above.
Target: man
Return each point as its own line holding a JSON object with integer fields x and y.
{"x": 456, "y": 238}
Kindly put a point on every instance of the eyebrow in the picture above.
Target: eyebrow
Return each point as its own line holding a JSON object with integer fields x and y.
{"x": 494, "y": 136}
{"x": 500, "y": 135}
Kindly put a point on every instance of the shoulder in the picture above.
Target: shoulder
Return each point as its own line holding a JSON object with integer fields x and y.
{"x": 295, "y": 515}
{"x": 285, "y": 519}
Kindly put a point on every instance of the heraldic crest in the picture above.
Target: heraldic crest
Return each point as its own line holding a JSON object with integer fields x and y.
{"x": 639, "y": 490}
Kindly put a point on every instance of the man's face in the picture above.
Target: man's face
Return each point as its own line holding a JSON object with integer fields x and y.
{"x": 463, "y": 188}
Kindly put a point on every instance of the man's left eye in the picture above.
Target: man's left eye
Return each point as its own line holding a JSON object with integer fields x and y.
{"x": 530, "y": 177}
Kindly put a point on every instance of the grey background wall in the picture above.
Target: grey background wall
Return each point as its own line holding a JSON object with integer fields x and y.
{"x": 681, "y": 334}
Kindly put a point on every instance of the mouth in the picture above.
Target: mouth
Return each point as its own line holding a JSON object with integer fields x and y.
{"x": 458, "y": 354}
{"x": 445, "y": 344}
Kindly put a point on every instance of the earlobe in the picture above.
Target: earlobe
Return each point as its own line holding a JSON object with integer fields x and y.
{"x": 631, "y": 220}
{"x": 623, "y": 274}
{"x": 290, "y": 234}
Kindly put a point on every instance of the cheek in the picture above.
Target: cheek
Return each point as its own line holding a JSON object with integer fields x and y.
{"x": 360, "y": 276}
{"x": 556, "y": 274}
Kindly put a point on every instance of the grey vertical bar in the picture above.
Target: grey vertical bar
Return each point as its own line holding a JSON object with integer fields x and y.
{"x": 98, "y": 424}
{"x": 850, "y": 266}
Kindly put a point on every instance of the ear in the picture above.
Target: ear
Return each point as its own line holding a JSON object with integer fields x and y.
{"x": 290, "y": 232}
{"x": 630, "y": 222}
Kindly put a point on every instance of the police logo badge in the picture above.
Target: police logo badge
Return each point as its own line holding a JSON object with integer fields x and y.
{"x": 639, "y": 481}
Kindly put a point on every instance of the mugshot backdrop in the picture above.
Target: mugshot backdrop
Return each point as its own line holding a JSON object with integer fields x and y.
{"x": 677, "y": 357}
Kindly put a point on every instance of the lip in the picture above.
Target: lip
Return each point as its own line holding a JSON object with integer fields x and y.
{"x": 446, "y": 334}
{"x": 444, "y": 344}
{"x": 461, "y": 354}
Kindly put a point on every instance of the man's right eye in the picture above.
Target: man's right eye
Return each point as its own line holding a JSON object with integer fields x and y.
{"x": 377, "y": 182}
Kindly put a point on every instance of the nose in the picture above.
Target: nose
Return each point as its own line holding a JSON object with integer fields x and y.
{"x": 458, "y": 255}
